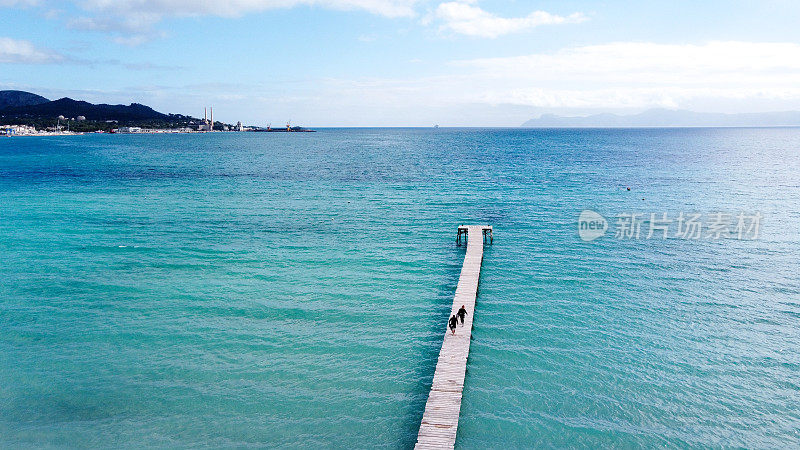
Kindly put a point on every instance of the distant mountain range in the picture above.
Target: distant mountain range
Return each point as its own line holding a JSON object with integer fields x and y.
{"x": 14, "y": 104}
{"x": 668, "y": 118}
{"x": 25, "y": 108}
{"x": 10, "y": 99}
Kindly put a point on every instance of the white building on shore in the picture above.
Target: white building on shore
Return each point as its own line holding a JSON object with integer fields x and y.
{"x": 18, "y": 130}
{"x": 129, "y": 130}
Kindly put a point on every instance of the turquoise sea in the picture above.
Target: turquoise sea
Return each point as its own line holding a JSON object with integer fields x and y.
{"x": 291, "y": 290}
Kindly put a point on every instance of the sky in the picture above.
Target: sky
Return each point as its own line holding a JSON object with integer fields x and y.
{"x": 406, "y": 62}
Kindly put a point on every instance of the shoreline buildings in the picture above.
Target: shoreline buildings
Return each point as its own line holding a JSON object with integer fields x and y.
{"x": 207, "y": 125}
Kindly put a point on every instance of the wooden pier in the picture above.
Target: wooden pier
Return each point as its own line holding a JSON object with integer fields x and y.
{"x": 440, "y": 420}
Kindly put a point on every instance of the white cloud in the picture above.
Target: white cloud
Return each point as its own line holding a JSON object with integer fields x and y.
{"x": 24, "y": 52}
{"x": 135, "y": 18}
{"x": 132, "y": 21}
{"x": 156, "y": 9}
{"x": 629, "y": 61}
{"x": 639, "y": 74}
{"x": 623, "y": 77}
{"x": 125, "y": 24}
{"x": 463, "y": 18}
{"x": 10, "y": 3}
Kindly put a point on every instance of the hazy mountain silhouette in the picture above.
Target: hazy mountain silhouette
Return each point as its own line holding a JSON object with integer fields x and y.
{"x": 668, "y": 118}
{"x": 20, "y": 98}
{"x": 68, "y": 107}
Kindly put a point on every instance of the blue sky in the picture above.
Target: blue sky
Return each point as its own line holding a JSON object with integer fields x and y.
{"x": 405, "y": 62}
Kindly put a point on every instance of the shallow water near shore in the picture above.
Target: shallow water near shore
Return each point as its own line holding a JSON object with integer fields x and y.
{"x": 236, "y": 289}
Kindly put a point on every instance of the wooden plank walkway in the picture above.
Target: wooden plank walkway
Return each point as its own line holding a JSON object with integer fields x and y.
{"x": 440, "y": 420}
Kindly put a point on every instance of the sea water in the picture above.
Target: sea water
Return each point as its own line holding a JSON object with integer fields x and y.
{"x": 292, "y": 289}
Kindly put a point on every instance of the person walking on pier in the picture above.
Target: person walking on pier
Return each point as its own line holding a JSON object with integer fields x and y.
{"x": 453, "y": 322}
{"x": 461, "y": 313}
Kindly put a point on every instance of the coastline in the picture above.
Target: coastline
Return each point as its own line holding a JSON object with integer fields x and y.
{"x": 70, "y": 133}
